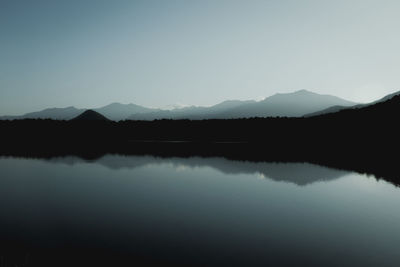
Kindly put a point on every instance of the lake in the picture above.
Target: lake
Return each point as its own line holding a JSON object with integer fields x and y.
{"x": 153, "y": 211}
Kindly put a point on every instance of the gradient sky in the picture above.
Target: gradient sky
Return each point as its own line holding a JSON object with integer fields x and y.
{"x": 89, "y": 53}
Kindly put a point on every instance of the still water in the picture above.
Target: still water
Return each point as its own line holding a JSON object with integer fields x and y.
{"x": 193, "y": 212}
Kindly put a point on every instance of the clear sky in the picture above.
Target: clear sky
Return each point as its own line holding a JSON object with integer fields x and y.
{"x": 89, "y": 53}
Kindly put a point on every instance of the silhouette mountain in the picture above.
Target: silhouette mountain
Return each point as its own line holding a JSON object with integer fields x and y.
{"x": 338, "y": 108}
{"x": 294, "y": 104}
{"x": 90, "y": 115}
{"x": 376, "y": 112}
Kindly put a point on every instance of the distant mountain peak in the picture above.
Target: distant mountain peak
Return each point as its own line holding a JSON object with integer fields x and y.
{"x": 90, "y": 115}
{"x": 302, "y": 91}
{"x": 298, "y": 92}
{"x": 117, "y": 104}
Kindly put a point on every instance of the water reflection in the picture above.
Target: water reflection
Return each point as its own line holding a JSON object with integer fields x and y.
{"x": 193, "y": 212}
{"x": 297, "y": 173}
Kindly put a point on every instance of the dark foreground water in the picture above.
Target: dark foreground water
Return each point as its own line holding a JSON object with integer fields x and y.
{"x": 121, "y": 211}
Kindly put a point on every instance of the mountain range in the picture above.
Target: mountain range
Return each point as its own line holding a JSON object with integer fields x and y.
{"x": 294, "y": 104}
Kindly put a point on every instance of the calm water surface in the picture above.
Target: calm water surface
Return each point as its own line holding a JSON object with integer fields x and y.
{"x": 194, "y": 211}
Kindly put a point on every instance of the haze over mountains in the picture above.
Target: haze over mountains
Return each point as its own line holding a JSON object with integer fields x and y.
{"x": 49, "y": 113}
{"x": 338, "y": 108}
{"x": 117, "y": 111}
{"x": 114, "y": 111}
{"x": 193, "y": 112}
{"x": 294, "y": 104}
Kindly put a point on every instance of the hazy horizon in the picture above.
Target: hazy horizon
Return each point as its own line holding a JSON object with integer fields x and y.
{"x": 171, "y": 107}
{"x": 155, "y": 53}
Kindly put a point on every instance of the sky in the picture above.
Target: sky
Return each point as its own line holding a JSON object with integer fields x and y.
{"x": 158, "y": 53}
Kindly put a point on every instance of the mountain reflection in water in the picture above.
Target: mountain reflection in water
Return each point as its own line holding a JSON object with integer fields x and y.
{"x": 151, "y": 211}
